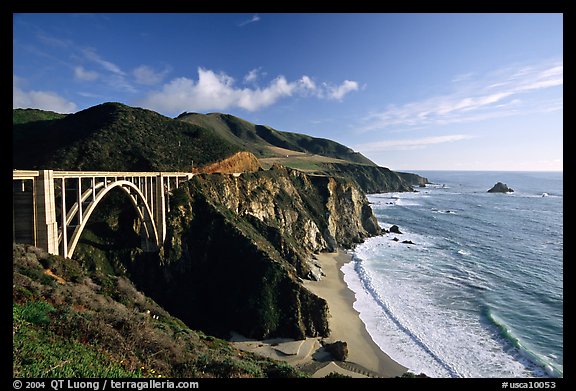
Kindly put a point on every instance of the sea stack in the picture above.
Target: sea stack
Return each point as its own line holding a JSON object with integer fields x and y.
{"x": 500, "y": 188}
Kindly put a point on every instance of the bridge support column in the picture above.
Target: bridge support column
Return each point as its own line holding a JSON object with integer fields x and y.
{"x": 46, "y": 225}
{"x": 160, "y": 209}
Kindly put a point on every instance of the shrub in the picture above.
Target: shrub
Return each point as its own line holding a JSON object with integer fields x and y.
{"x": 35, "y": 312}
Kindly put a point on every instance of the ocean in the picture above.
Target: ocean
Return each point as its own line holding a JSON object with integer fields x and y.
{"x": 479, "y": 293}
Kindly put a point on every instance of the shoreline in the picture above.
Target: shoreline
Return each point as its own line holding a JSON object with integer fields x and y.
{"x": 345, "y": 323}
{"x": 365, "y": 358}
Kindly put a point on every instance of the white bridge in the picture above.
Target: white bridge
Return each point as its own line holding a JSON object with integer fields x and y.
{"x": 51, "y": 208}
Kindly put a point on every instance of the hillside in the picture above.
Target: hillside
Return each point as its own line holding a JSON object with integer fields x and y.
{"x": 114, "y": 137}
{"x": 23, "y": 116}
{"x": 265, "y": 142}
{"x": 304, "y": 153}
{"x": 73, "y": 321}
{"x": 237, "y": 163}
{"x": 236, "y": 252}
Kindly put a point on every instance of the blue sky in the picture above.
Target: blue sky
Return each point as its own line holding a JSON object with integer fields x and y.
{"x": 410, "y": 91}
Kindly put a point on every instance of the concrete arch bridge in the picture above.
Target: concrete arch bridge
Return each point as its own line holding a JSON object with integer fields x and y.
{"x": 51, "y": 208}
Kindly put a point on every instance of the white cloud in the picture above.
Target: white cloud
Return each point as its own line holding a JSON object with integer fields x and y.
{"x": 114, "y": 76}
{"x": 462, "y": 77}
{"x": 409, "y": 144}
{"x": 81, "y": 74}
{"x": 307, "y": 83}
{"x": 217, "y": 91}
{"x": 472, "y": 100}
{"x": 91, "y": 95}
{"x": 53, "y": 41}
{"x": 253, "y": 19}
{"x": 88, "y": 64}
{"x": 340, "y": 91}
{"x": 91, "y": 55}
{"x": 544, "y": 79}
{"x": 44, "y": 100}
{"x": 252, "y": 76}
{"x": 148, "y": 76}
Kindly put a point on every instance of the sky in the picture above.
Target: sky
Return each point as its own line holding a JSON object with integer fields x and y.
{"x": 409, "y": 91}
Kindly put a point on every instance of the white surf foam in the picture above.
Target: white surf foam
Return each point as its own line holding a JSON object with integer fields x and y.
{"x": 404, "y": 317}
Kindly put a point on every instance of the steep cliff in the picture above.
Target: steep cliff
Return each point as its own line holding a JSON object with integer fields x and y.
{"x": 237, "y": 247}
{"x": 371, "y": 179}
{"x": 413, "y": 179}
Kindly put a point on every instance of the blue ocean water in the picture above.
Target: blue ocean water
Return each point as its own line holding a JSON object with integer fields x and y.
{"x": 480, "y": 292}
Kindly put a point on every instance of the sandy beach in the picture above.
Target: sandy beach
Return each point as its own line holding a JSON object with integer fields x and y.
{"x": 365, "y": 359}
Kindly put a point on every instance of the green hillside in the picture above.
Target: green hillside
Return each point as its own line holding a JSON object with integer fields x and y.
{"x": 22, "y": 116}
{"x": 77, "y": 320}
{"x": 301, "y": 152}
{"x": 116, "y": 137}
{"x": 112, "y": 136}
{"x": 265, "y": 142}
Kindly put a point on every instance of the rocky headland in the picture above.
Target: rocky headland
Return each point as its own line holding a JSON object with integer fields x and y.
{"x": 246, "y": 243}
{"x": 238, "y": 247}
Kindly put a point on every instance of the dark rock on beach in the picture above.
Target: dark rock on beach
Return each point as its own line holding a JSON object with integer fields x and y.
{"x": 395, "y": 229}
{"x": 338, "y": 350}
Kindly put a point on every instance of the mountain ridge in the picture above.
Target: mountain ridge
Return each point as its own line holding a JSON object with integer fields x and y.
{"x": 261, "y": 139}
{"x": 116, "y": 137}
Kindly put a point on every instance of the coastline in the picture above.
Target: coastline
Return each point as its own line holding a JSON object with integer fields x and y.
{"x": 365, "y": 359}
{"x": 345, "y": 322}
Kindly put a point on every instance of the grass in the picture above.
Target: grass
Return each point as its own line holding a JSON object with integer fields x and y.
{"x": 266, "y": 142}
{"x": 38, "y": 352}
{"x": 102, "y": 326}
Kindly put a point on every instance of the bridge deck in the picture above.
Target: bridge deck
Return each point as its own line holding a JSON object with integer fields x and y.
{"x": 30, "y": 174}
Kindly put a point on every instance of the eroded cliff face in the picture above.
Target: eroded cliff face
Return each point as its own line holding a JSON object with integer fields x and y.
{"x": 239, "y": 162}
{"x": 237, "y": 247}
{"x": 371, "y": 179}
{"x": 311, "y": 213}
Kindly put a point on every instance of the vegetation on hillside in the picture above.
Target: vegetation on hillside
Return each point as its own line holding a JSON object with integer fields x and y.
{"x": 263, "y": 141}
{"x": 115, "y": 137}
{"x": 371, "y": 179}
{"x": 72, "y": 322}
{"x": 23, "y": 116}
{"x": 302, "y": 152}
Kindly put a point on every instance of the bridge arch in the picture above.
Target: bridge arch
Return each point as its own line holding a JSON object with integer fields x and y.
{"x": 138, "y": 201}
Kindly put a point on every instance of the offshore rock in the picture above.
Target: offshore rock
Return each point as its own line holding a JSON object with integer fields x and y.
{"x": 500, "y": 188}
